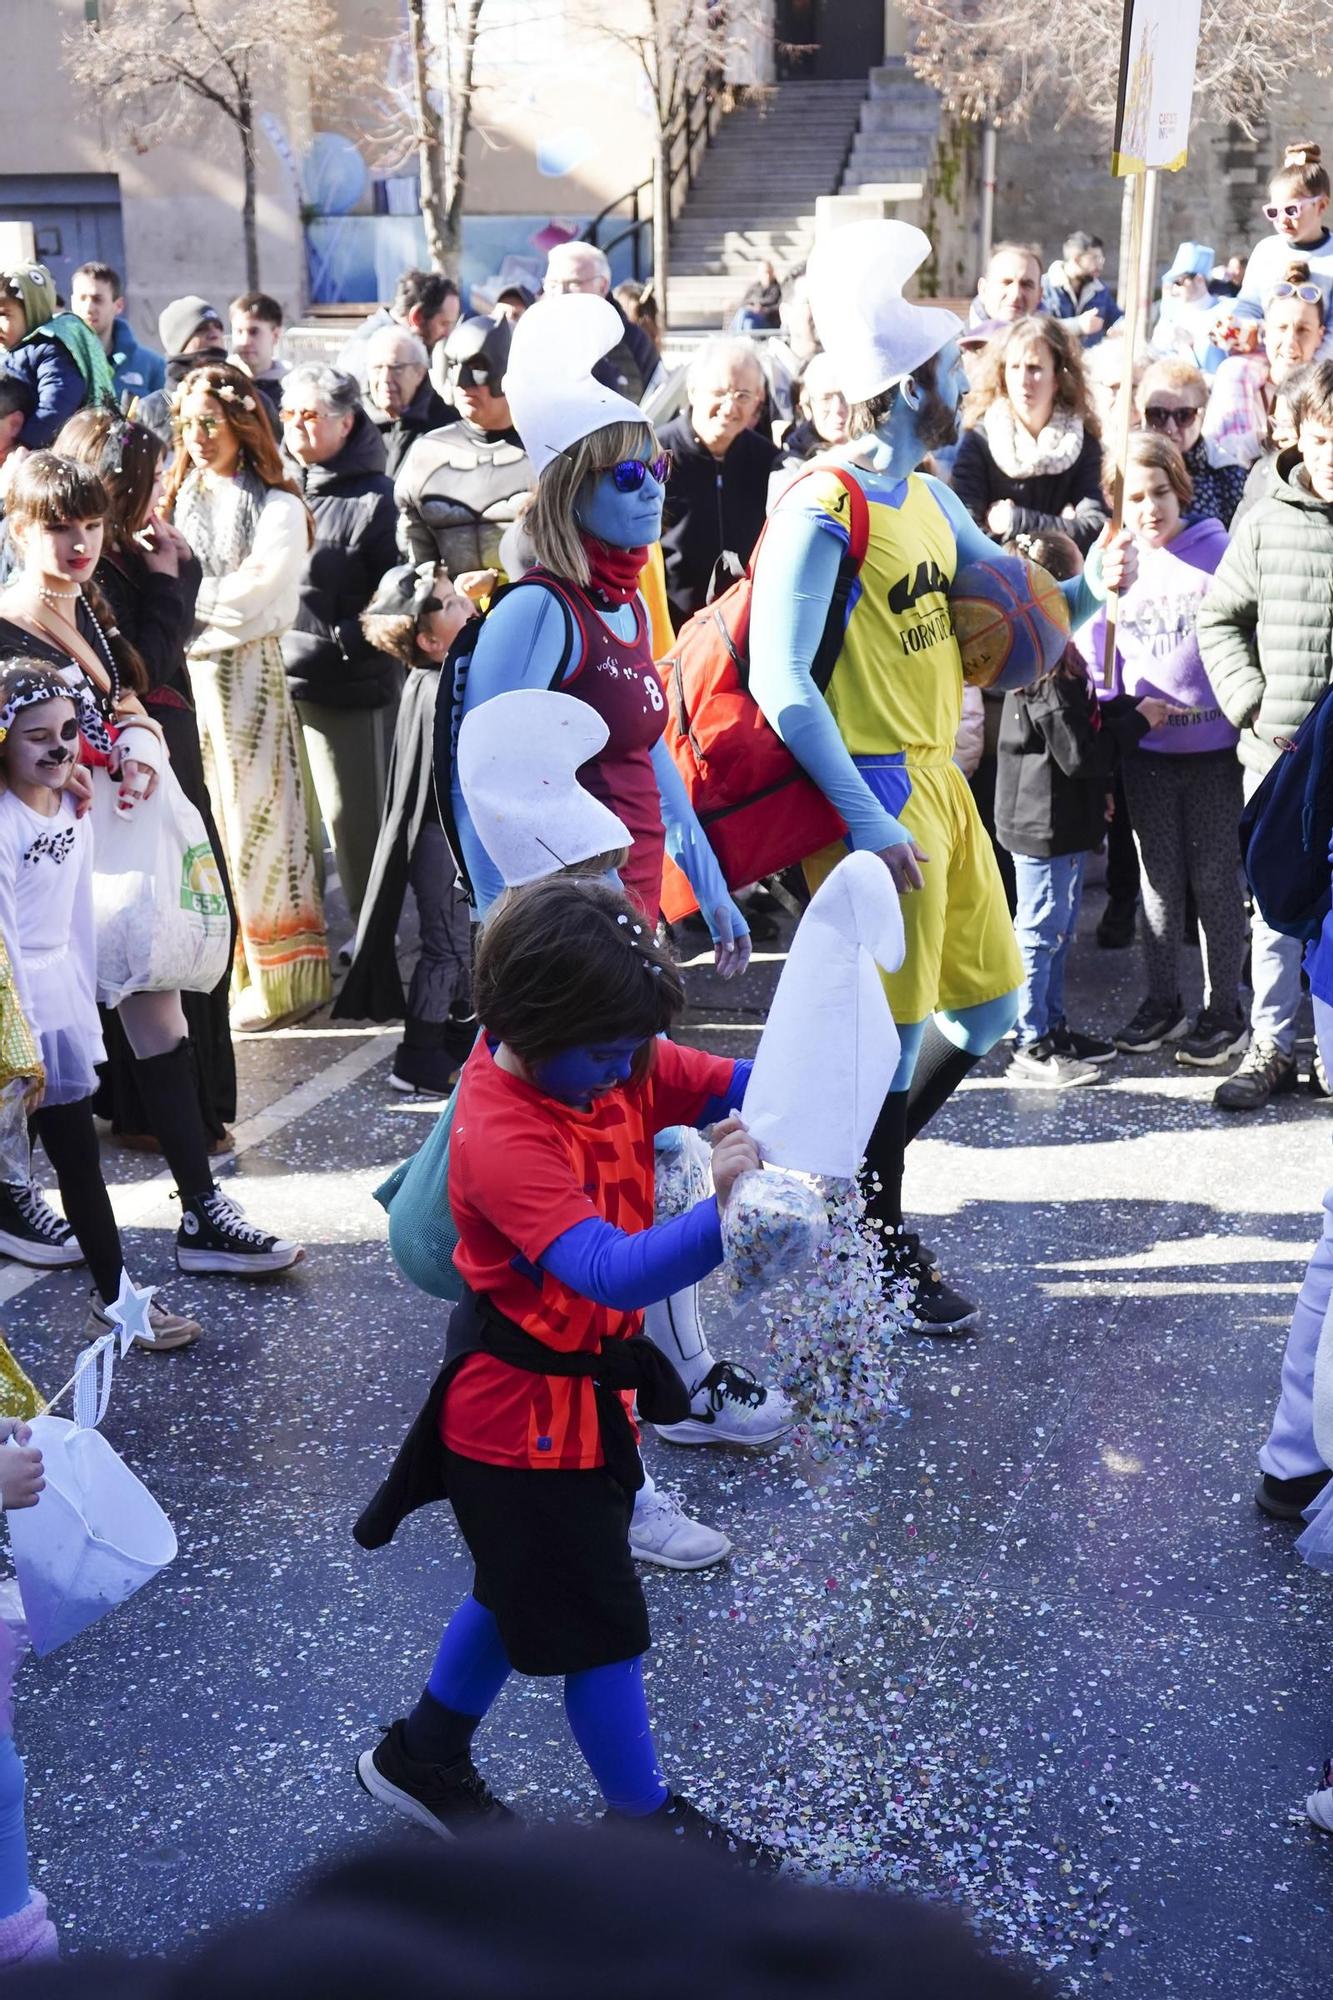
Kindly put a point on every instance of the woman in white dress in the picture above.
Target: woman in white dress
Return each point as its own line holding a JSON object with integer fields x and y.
{"x": 250, "y": 530}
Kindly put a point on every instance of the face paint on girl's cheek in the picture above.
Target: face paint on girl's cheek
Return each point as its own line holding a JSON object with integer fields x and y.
{"x": 575, "y": 1076}
{"x": 32, "y": 757}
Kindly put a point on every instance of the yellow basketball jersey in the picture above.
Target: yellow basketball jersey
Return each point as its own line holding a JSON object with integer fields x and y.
{"x": 898, "y": 681}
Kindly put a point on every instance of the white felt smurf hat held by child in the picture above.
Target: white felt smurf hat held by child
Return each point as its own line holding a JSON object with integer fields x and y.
{"x": 875, "y": 336}
{"x": 554, "y": 397}
{"x": 517, "y": 758}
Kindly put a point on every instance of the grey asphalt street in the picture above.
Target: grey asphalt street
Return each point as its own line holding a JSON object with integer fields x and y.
{"x": 1041, "y": 1657}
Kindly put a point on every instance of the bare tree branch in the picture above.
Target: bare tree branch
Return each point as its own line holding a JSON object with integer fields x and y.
{"x": 681, "y": 47}
{"x": 986, "y": 61}
{"x": 163, "y": 66}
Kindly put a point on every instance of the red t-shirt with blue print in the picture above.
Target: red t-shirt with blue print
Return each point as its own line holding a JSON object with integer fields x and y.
{"x": 524, "y": 1168}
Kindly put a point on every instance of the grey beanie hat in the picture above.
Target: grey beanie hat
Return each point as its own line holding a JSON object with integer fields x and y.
{"x": 182, "y": 319}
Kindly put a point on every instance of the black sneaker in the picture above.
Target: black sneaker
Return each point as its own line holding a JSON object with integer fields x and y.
{"x": 1151, "y": 1026}
{"x": 1043, "y": 1064}
{"x": 1217, "y": 1035}
{"x": 215, "y": 1236}
{"x": 30, "y": 1230}
{"x": 685, "y": 1821}
{"x": 934, "y": 1308}
{"x": 1115, "y": 928}
{"x": 1287, "y": 1499}
{"x": 1264, "y": 1072}
{"x": 451, "y": 1800}
{"x": 1067, "y": 1041}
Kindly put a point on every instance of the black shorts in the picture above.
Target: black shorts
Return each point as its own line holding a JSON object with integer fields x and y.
{"x": 553, "y": 1563}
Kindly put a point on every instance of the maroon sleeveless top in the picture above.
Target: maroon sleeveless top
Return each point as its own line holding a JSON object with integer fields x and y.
{"x": 618, "y": 679}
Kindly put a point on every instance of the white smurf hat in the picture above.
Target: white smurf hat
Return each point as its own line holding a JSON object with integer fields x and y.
{"x": 854, "y": 282}
{"x": 554, "y": 398}
{"x": 517, "y": 758}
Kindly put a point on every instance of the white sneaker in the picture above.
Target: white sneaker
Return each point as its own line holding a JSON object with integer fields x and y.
{"x": 662, "y": 1532}
{"x": 731, "y": 1407}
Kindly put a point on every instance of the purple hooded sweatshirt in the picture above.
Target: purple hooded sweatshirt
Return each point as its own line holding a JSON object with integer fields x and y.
{"x": 1157, "y": 650}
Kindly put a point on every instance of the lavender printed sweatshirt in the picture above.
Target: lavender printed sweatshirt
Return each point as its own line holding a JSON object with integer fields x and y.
{"x": 1157, "y": 649}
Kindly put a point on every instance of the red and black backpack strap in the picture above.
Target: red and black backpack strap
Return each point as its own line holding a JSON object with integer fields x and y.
{"x": 849, "y": 570}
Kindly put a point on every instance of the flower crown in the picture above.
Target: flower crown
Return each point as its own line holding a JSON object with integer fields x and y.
{"x": 226, "y": 393}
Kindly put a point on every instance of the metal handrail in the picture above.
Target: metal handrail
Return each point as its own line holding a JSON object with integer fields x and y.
{"x": 705, "y": 101}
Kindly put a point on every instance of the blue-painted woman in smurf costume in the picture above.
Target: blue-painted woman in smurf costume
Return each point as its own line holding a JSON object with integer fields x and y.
{"x": 597, "y": 511}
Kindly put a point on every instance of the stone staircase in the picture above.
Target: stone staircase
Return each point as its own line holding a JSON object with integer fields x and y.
{"x": 895, "y": 142}
{"x": 755, "y": 193}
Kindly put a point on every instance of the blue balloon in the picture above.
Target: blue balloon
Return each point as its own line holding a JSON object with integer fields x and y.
{"x": 334, "y": 175}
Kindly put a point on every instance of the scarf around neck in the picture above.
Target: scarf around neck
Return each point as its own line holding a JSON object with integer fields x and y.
{"x": 218, "y": 518}
{"x": 613, "y": 573}
{"x": 1018, "y": 454}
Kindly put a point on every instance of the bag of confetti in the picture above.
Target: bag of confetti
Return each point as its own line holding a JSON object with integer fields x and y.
{"x": 772, "y": 1225}
{"x": 158, "y": 905}
{"x": 95, "y": 1536}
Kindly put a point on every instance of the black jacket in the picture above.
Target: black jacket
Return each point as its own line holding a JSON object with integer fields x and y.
{"x": 631, "y": 363}
{"x": 711, "y": 505}
{"x": 1041, "y": 497}
{"x": 427, "y": 411}
{"x": 1054, "y": 765}
{"x": 356, "y": 523}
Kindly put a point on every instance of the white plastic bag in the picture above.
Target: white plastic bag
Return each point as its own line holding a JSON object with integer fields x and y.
{"x": 161, "y": 915}
{"x": 95, "y": 1536}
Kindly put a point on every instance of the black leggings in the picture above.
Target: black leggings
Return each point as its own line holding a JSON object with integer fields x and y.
{"x": 70, "y": 1138}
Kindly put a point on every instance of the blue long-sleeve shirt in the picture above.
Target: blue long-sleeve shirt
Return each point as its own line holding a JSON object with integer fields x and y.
{"x": 794, "y": 585}
{"x": 523, "y": 645}
{"x": 628, "y": 1271}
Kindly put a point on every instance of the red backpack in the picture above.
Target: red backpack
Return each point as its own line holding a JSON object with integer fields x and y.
{"x": 759, "y": 809}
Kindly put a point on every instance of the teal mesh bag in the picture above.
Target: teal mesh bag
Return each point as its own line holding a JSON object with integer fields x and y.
{"x": 422, "y": 1235}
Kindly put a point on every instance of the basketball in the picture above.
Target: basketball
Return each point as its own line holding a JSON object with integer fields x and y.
{"x": 1010, "y": 619}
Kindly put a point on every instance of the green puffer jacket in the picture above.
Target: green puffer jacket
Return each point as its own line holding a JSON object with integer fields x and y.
{"x": 1266, "y": 625}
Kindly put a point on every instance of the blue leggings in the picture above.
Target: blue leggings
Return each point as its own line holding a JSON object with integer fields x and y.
{"x": 606, "y": 1706}
{"x": 13, "y": 1833}
{"x": 974, "y": 1030}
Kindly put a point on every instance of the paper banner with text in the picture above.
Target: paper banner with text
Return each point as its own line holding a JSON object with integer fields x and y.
{"x": 1159, "y": 44}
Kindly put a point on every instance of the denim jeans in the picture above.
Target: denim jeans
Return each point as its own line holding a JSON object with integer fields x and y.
{"x": 1290, "y": 1451}
{"x": 1275, "y": 975}
{"x": 1049, "y": 893}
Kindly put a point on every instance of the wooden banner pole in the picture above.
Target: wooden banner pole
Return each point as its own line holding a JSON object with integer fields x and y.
{"x": 1132, "y": 254}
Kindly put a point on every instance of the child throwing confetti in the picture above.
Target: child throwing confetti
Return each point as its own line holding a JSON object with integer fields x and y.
{"x": 527, "y": 1430}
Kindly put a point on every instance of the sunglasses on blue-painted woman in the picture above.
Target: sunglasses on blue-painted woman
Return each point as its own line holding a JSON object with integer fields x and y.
{"x": 629, "y": 475}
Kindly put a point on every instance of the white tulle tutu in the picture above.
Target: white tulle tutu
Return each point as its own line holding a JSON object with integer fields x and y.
{"x": 64, "y": 1020}
{"x": 1316, "y": 1543}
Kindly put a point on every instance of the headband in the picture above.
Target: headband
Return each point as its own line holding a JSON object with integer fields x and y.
{"x": 26, "y": 691}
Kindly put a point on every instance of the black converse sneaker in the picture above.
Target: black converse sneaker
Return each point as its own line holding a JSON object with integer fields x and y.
{"x": 452, "y": 1800}
{"x": 215, "y": 1236}
{"x": 30, "y": 1230}
{"x": 684, "y": 1820}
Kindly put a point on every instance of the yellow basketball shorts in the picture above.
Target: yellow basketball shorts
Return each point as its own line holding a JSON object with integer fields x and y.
{"x": 961, "y": 950}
